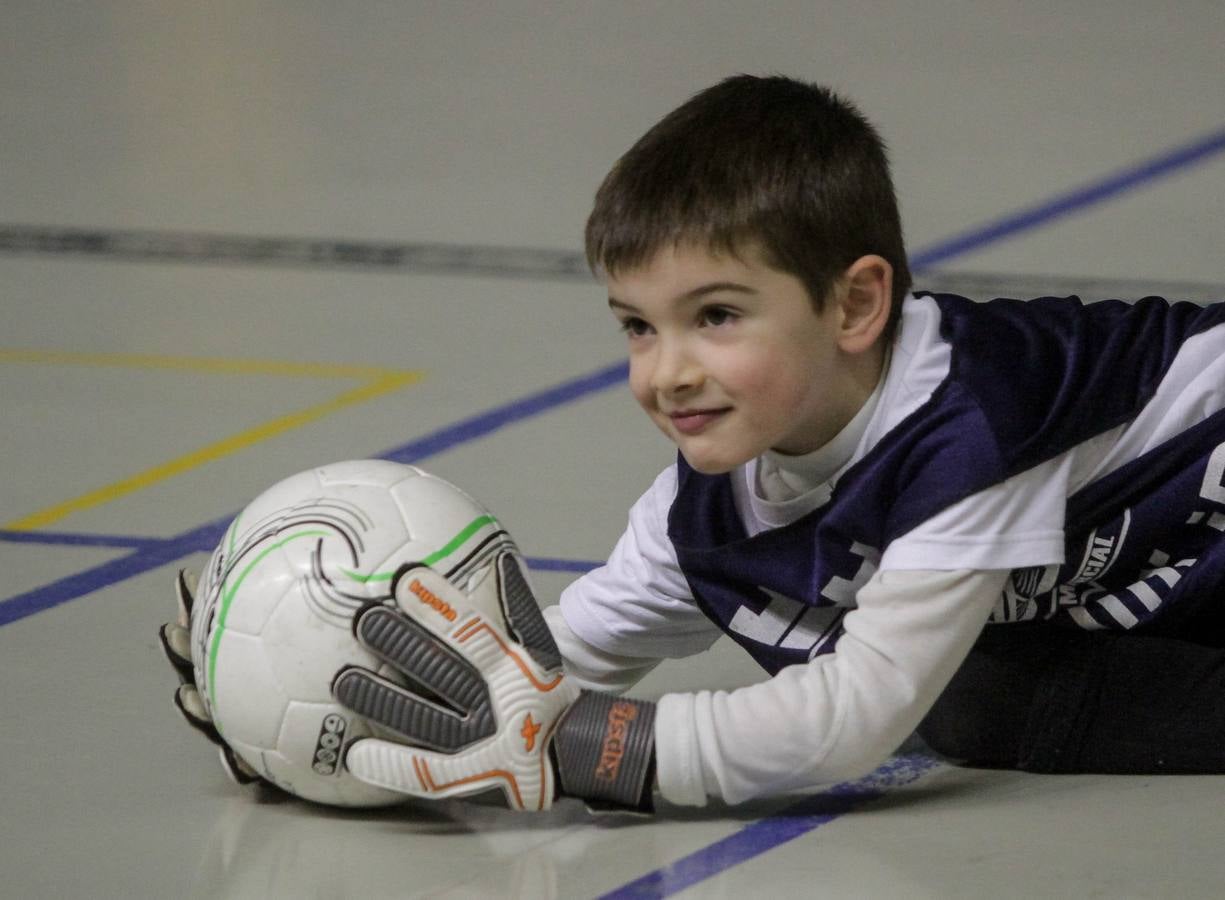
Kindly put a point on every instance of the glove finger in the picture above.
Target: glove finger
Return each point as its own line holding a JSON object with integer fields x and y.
{"x": 427, "y": 597}
{"x": 431, "y": 601}
{"x": 523, "y": 615}
{"x": 419, "y": 719}
{"x": 434, "y": 776}
{"x": 191, "y": 707}
{"x": 176, "y": 644}
{"x": 237, "y": 768}
{"x": 185, "y": 584}
{"x": 432, "y": 664}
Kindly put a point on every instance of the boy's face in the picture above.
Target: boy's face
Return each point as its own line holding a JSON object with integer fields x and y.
{"x": 729, "y": 358}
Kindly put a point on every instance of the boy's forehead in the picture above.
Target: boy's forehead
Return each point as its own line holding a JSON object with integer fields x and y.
{"x": 678, "y": 268}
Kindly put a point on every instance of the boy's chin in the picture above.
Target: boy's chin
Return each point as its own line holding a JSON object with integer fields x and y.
{"x": 707, "y": 466}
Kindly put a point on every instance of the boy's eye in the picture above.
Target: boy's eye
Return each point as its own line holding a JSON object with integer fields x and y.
{"x": 716, "y": 315}
{"x": 634, "y": 326}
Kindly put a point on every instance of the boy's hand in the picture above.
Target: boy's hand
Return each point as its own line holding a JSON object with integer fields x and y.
{"x": 477, "y": 704}
{"x": 176, "y": 643}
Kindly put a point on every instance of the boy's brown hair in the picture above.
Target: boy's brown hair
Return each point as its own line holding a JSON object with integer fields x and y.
{"x": 787, "y": 165}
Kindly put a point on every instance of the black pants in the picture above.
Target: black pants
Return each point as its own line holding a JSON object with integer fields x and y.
{"x": 1052, "y": 699}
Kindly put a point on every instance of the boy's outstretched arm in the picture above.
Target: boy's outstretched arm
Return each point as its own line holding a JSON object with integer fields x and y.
{"x": 838, "y": 716}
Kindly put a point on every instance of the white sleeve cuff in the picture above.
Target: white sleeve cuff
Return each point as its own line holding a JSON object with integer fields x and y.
{"x": 678, "y": 765}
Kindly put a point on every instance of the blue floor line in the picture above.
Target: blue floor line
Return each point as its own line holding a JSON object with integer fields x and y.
{"x": 484, "y": 423}
{"x": 1075, "y": 200}
{"x": 151, "y": 553}
{"x": 761, "y": 836}
{"x": 552, "y": 564}
{"x": 152, "y": 556}
{"x": 74, "y": 539}
{"x": 125, "y": 542}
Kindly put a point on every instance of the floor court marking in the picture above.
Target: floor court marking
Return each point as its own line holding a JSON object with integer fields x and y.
{"x": 78, "y": 539}
{"x": 210, "y": 364}
{"x": 135, "y": 542}
{"x": 1092, "y": 193}
{"x": 203, "y": 538}
{"x": 794, "y": 821}
{"x": 376, "y": 383}
{"x": 136, "y": 245}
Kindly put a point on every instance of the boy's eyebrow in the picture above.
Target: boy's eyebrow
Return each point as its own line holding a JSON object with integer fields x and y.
{"x": 696, "y": 293}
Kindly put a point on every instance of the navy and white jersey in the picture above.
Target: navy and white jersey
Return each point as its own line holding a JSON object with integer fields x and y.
{"x": 1047, "y": 386}
{"x": 1080, "y": 445}
{"x": 1050, "y": 460}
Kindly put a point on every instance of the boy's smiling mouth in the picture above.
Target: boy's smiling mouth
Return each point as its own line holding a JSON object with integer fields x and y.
{"x": 691, "y": 421}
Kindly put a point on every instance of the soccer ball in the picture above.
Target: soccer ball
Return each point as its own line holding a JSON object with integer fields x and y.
{"x": 272, "y": 621}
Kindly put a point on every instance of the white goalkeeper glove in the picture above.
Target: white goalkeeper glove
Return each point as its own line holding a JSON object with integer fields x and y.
{"x": 176, "y": 643}
{"x": 483, "y": 704}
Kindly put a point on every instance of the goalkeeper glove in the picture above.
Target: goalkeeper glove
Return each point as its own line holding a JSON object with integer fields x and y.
{"x": 480, "y": 703}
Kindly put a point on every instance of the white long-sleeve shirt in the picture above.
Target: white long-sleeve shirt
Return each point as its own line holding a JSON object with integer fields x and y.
{"x": 836, "y": 718}
{"x": 912, "y": 617}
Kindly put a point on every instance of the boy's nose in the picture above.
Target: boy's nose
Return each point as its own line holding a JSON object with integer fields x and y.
{"x": 675, "y": 371}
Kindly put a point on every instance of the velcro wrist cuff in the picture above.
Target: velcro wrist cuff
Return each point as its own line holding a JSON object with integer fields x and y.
{"x": 605, "y": 750}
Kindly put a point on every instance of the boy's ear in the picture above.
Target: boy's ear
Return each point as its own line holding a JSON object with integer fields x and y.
{"x": 865, "y": 296}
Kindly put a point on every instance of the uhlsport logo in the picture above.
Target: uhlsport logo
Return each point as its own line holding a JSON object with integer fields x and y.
{"x": 616, "y": 733}
{"x": 433, "y": 601}
{"x": 327, "y": 748}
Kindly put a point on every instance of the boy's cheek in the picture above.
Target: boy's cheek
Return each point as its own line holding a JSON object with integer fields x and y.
{"x": 642, "y": 397}
{"x": 640, "y": 387}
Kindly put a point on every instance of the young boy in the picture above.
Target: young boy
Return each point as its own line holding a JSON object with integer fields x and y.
{"x": 867, "y": 477}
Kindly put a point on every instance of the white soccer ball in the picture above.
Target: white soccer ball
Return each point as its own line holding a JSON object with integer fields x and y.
{"x": 272, "y": 620}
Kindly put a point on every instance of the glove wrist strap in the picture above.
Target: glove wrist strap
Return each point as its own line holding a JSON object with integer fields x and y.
{"x": 605, "y": 751}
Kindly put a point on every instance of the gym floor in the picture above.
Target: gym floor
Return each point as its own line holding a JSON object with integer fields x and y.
{"x": 238, "y": 240}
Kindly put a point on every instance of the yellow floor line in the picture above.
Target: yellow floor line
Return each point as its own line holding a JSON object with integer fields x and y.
{"x": 384, "y": 384}
{"x": 197, "y": 364}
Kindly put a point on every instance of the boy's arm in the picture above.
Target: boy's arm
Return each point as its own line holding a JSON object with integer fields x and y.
{"x": 590, "y": 667}
{"x": 839, "y": 716}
